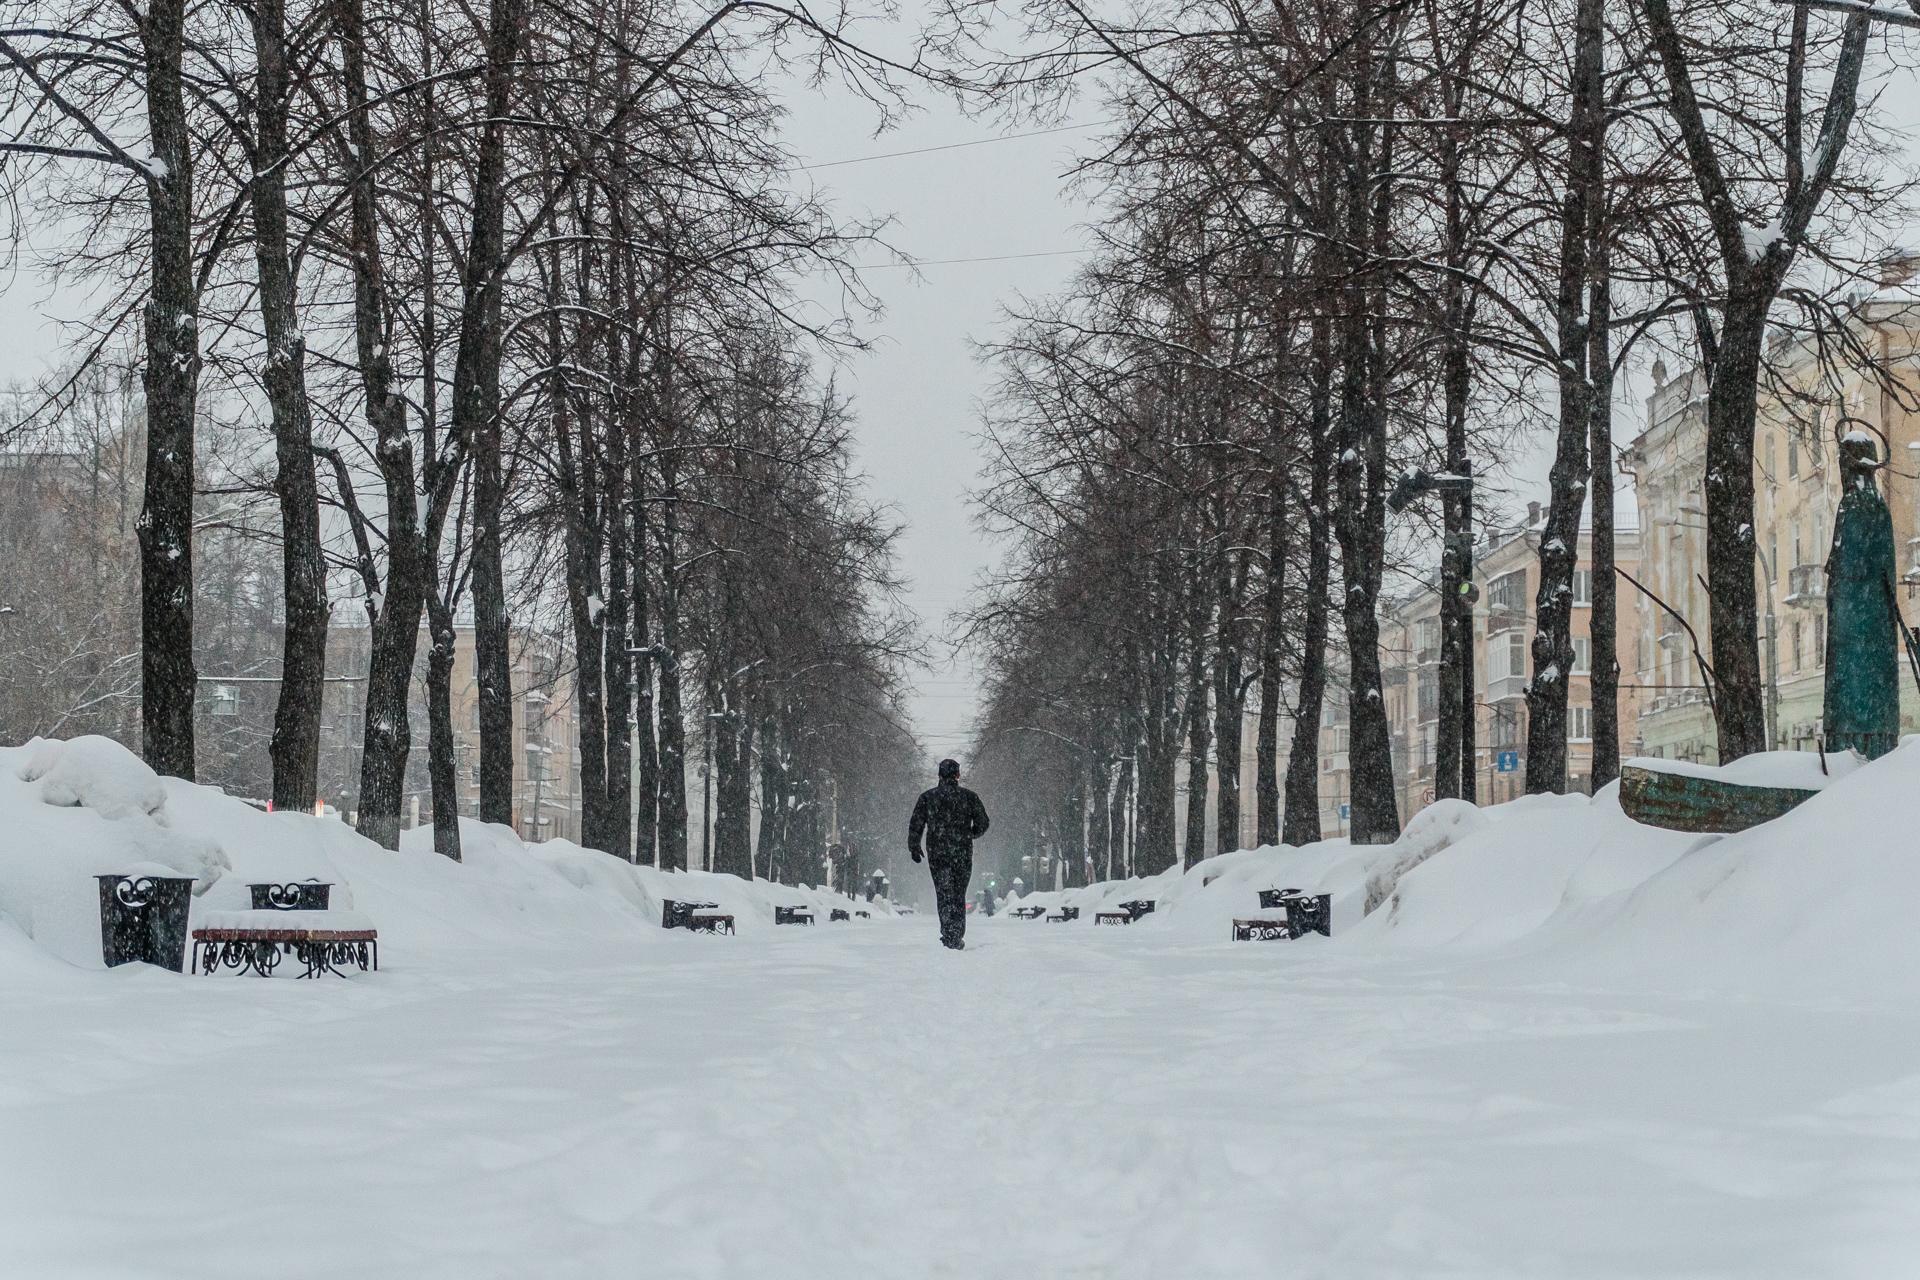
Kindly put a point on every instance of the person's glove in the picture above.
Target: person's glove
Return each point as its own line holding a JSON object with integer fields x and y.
{"x": 916, "y": 854}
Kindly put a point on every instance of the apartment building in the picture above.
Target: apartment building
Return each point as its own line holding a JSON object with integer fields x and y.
{"x": 1507, "y": 572}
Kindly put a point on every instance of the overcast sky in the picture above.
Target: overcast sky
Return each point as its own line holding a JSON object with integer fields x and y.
{"x": 917, "y": 394}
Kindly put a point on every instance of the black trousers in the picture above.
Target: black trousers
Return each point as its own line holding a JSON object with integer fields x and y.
{"x": 951, "y": 871}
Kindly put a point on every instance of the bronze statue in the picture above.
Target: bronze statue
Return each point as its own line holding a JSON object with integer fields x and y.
{"x": 1864, "y": 630}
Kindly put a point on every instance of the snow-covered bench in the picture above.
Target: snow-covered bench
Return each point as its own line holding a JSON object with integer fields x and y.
{"x": 679, "y": 915}
{"x": 1138, "y": 907}
{"x": 1305, "y": 913}
{"x": 323, "y": 941}
{"x": 1065, "y": 914}
{"x": 1275, "y": 899}
{"x": 838, "y": 914}
{"x": 710, "y": 922}
{"x": 1113, "y": 917}
{"x": 1027, "y": 913}
{"x": 793, "y": 915}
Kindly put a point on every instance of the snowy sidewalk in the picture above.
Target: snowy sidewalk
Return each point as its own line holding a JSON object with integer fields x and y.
{"x": 853, "y": 1102}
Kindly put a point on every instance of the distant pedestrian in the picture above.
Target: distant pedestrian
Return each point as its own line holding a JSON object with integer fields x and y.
{"x": 951, "y": 818}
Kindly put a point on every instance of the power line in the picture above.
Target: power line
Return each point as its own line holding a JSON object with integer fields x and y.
{"x": 950, "y": 146}
{"x": 949, "y": 262}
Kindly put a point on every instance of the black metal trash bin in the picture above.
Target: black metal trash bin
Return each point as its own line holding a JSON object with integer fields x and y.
{"x": 144, "y": 918}
{"x": 1309, "y": 913}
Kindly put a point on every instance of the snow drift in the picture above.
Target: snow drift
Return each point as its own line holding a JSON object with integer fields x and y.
{"x": 73, "y": 810}
{"x": 1562, "y": 888}
{"x": 1569, "y": 888}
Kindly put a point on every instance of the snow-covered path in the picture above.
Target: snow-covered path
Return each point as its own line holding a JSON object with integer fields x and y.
{"x": 851, "y": 1101}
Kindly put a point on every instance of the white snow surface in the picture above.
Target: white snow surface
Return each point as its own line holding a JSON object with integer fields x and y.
{"x": 1799, "y": 770}
{"x": 1543, "y": 1040}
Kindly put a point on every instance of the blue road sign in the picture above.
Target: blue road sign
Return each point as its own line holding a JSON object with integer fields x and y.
{"x": 1346, "y": 811}
{"x": 1507, "y": 762}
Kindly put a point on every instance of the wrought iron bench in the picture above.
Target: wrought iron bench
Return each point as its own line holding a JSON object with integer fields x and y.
{"x": 292, "y": 919}
{"x": 1275, "y": 899}
{"x": 1306, "y": 913}
{"x": 838, "y": 914}
{"x": 703, "y": 922}
{"x": 679, "y": 915}
{"x": 1138, "y": 907}
{"x": 793, "y": 915}
{"x": 1113, "y": 917}
{"x": 864, "y": 915}
{"x": 1027, "y": 913}
{"x": 1065, "y": 914}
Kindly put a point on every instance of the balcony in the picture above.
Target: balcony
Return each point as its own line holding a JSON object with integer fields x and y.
{"x": 1806, "y": 584}
{"x": 1505, "y": 619}
{"x": 1505, "y": 688}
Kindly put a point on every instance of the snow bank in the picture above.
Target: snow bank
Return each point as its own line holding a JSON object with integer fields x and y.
{"x": 1568, "y": 888}
{"x": 1800, "y": 770}
{"x": 70, "y": 811}
{"x": 73, "y": 810}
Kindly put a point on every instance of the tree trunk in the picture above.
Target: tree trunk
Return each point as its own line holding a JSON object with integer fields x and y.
{"x": 673, "y": 729}
{"x": 476, "y": 417}
{"x": 1119, "y": 848}
{"x": 295, "y": 747}
{"x": 733, "y": 792}
{"x": 581, "y": 508}
{"x": 1603, "y": 614}
{"x": 1732, "y": 599}
{"x": 386, "y": 736}
{"x": 1302, "y": 824}
{"x": 1195, "y": 846}
{"x": 171, "y": 378}
{"x": 1099, "y": 820}
{"x": 442, "y": 767}
{"x": 647, "y": 766}
{"x": 1567, "y": 480}
{"x": 1227, "y": 710}
{"x": 1266, "y": 799}
{"x": 1198, "y": 725}
{"x": 618, "y": 662}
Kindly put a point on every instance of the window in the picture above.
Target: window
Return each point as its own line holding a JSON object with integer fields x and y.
{"x": 1820, "y": 639}
{"x": 1794, "y": 654}
{"x": 1508, "y": 593}
{"x": 1771, "y": 473}
{"x": 1426, "y": 640}
{"x": 1583, "y": 586}
{"x": 1579, "y": 724}
{"x": 1582, "y": 655}
{"x": 226, "y": 700}
{"x": 1517, "y": 654}
{"x": 1504, "y": 732}
{"x": 1793, "y": 453}
{"x": 1429, "y": 682}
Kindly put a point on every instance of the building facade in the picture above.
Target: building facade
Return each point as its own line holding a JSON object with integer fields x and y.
{"x": 1802, "y": 413}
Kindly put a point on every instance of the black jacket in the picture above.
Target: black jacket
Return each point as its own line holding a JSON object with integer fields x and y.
{"x": 951, "y": 817}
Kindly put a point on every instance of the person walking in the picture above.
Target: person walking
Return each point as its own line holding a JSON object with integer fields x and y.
{"x": 951, "y": 818}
